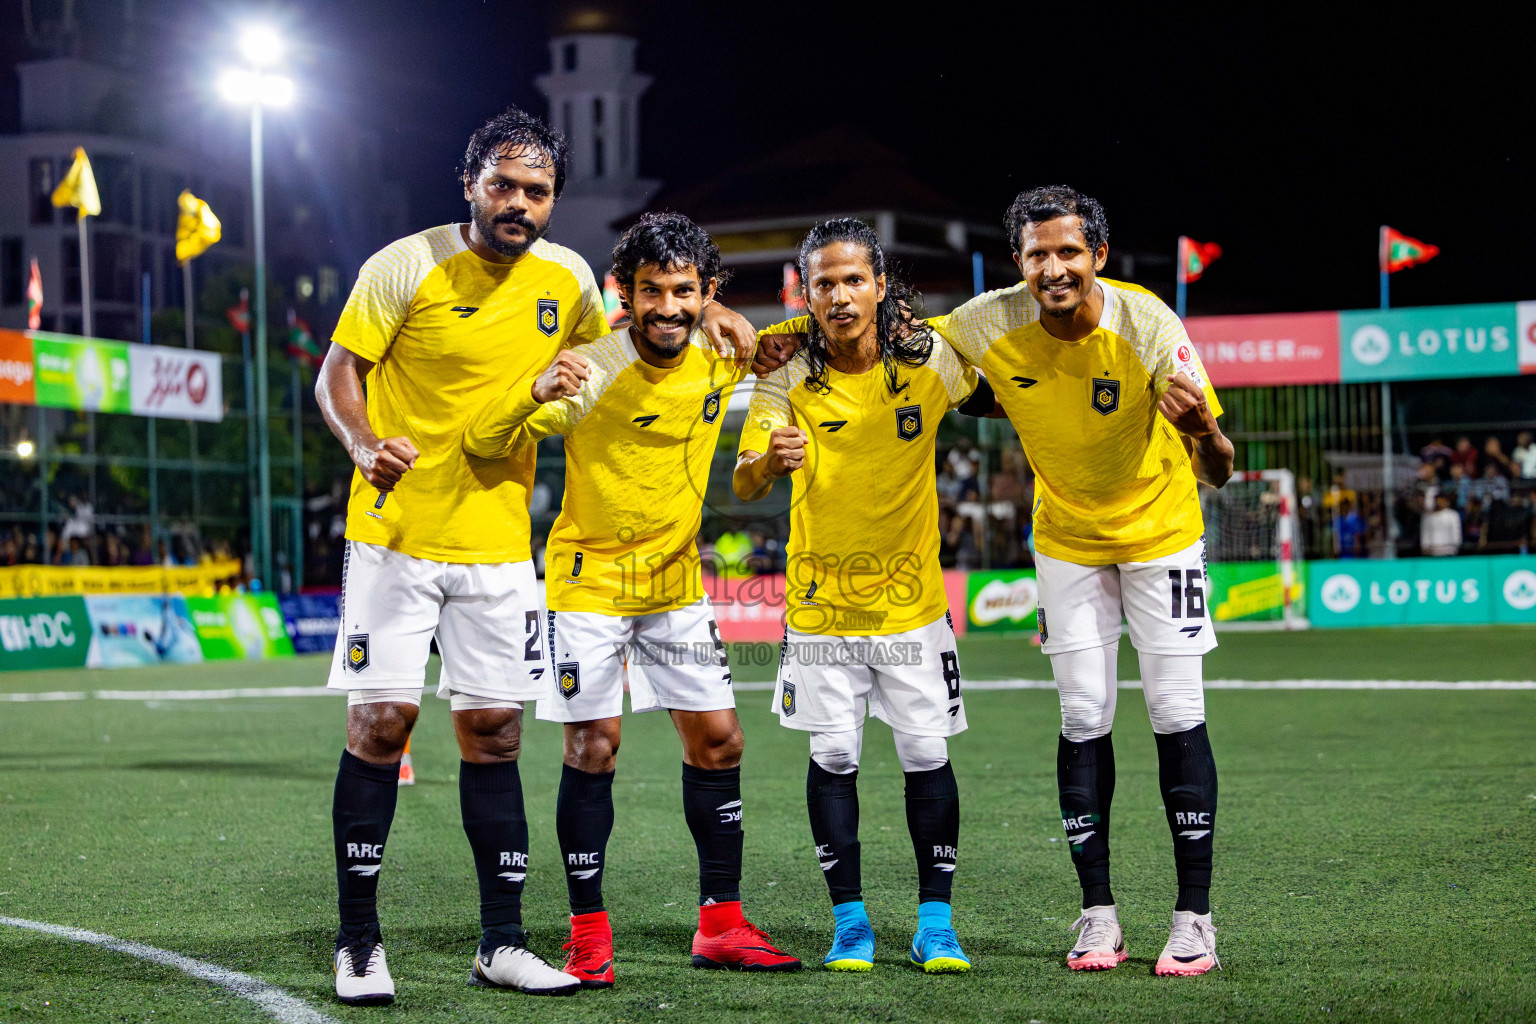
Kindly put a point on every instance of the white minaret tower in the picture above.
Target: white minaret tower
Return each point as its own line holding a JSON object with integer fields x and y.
{"x": 594, "y": 98}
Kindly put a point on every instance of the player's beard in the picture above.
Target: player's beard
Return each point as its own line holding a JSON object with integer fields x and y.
{"x": 672, "y": 350}
{"x": 485, "y": 224}
{"x": 1064, "y": 312}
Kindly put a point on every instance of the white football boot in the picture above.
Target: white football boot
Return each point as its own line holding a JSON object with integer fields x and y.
{"x": 516, "y": 967}
{"x": 1100, "y": 943}
{"x": 362, "y": 976}
{"x": 1191, "y": 946}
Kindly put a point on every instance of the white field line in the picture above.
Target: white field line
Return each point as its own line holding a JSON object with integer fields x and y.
{"x": 970, "y": 684}
{"x": 278, "y": 1004}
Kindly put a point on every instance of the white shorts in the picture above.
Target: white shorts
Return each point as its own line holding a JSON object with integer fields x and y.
{"x": 910, "y": 681}
{"x": 1163, "y": 600}
{"x": 486, "y": 618}
{"x": 674, "y": 660}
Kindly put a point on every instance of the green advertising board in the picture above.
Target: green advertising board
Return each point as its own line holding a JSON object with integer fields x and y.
{"x": 1251, "y": 592}
{"x": 1429, "y": 342}
{"x": 1422, "y": 591}
{"x": 44, "y": 632}
{"x": 1002, "y": 601}
{"x": 77, "y": 373}
{"x": 236, "y": 626}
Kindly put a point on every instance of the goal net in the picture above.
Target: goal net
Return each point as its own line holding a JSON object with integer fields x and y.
{"x": 1250, "y": 549}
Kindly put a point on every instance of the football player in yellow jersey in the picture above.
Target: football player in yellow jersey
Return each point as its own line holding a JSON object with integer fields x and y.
{"x": 641, "y": 412}
{"x": 1118, "y": 421}
{"x": 437, "y": 545}
{"x": 852, "y": 420}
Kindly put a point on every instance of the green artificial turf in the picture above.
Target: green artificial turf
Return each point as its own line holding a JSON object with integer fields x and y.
{"x": 1373, "y": 852}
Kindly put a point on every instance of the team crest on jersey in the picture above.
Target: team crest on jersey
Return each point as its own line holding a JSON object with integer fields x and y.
{"x": 1105, "y": 396}
{"x": 711, "y": 406}
{"x": 568, "y": 674}
{"x": 549, "y": 316}
{"x": 357, "y": 652}
{"x": 909, "y": 422}
{"x": 788, "y": 701}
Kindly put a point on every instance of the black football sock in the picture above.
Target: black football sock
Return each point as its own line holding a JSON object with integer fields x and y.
{"x": 833, "y": 801}
{"x": 1085, "y": 778}
{"x": 933, "y": 818}
{"x": 712, "y": 807}
{"x": 491, "y": 800}
{"x": 583, "y": 822}
{"x": 361, "y": 813}
{"x": 1186, "y": 771}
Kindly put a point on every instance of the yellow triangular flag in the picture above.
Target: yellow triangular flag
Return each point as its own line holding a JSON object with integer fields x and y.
{"x": 78, "y": 188}
{"x": 196, "y": 229}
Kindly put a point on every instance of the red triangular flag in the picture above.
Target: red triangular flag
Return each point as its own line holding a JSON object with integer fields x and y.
{"x": 240, "y": 315}
{"x": 1399, "y": 252}
{"x": 1195, "y": 257}
{"x": 35, "y": 298}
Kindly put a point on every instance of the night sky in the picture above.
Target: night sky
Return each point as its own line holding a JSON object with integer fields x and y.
{"x": 1288, "y": 139}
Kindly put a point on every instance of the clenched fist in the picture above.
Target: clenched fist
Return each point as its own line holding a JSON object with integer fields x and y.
{"x": 1184, "y": 406}
{"x": 786, "y": 451}
{"x": 384, "y": 461}
{"x": 562, "y": 379}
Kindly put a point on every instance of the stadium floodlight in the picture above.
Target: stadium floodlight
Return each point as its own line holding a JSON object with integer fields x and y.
{"x": 25, "y": 449}
{"x": 254, "y": 86}
{"x": 261, "y": 45}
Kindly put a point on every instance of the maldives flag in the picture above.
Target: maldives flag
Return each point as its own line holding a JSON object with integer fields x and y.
{"x": 1399, "y": 252}
{"x": 240, "y": 315}
{"x": 35, "y": 298}
{"x": 301, "y": 341}
{"x": 793, "y": 292}
{"x": 1195, "y": 257}
{"x": 613, "y": 307}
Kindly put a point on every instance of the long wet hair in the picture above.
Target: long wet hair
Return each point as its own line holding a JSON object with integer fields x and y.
{"x": 904, "y": 339}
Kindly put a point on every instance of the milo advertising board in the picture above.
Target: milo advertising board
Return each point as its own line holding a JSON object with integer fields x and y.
{"x": 1002, "y": 601}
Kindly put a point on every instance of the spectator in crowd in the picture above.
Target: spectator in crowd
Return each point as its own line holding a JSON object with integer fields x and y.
{"x": 1472, "y": 522}
{"x": 143, "y": 553}
{"x": 1350, "y": 529}
{"x": 1437, "y": 454}
{"x": 1460, "y": 486}
{"x": 30, "y": 553}
{"x": 1338, "y": 494}
{"x": 1508, "y": 527}
{"x": 1440, "y": 529}
{"x": 1493, "y": 487}
{"x": 1525, "y": 455}
{"x": 1465, "y": 456}
{"x": 962, "y": 540}
{"x": 965, "y": 461}
{"x": 10, "y": 551}
{"x": 1493, "y": 456}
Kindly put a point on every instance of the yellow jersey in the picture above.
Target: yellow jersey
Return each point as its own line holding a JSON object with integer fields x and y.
{"x": 863, "y": 552}
{"x": 639, "y": 440}
{"x": 445, "y": 331}
{"x": 1113, "y": 482}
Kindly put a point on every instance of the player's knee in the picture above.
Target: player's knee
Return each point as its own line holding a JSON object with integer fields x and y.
{"x": 1171, "y": 716}
{"x": 1083, "y": 718}
{"x": 921, "y": 753}
{"x": 836, "y": 752}
{"x": 593, "y": 746}
{"x": 722, "y": 748}
{"x": 488, "y": 735}
{"x": 377, "y": 732}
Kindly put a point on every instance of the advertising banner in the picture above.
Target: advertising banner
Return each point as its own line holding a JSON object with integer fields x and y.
{"x": 248, "y": 626}
{"x": 1251, "y": 591}
{"x": 81, "y": 373}
{"x": 48, "y": 632}
{"x": 1002, "y": 601}
{"x": 17, "y": 384}
{"x": 1286, "y": 348}
{"x": 1525, "y": 316}
{"x": 175, "y": 382}
{"x": 47, "y": 580}
{"x": 1513, "y": 582}
{"x": 1429, "y": 342}
{"x": 142, "y": 629}
{"x": 1421, "y": 591}
{"x": 312, "y": 621}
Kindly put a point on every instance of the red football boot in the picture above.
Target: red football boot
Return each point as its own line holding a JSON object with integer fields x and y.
{"x": 591, "y": 947}
{"x": 727, "y": 941}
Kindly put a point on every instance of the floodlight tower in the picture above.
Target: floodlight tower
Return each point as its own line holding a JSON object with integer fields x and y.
{"x": 259, "y": 85}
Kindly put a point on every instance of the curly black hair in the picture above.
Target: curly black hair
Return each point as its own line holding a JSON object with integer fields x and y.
{"x": 1043, "y": 204}
{"x": 904, "y": 339}
{"x": 516, "y": 131}
{"x": 672, "y": 242}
